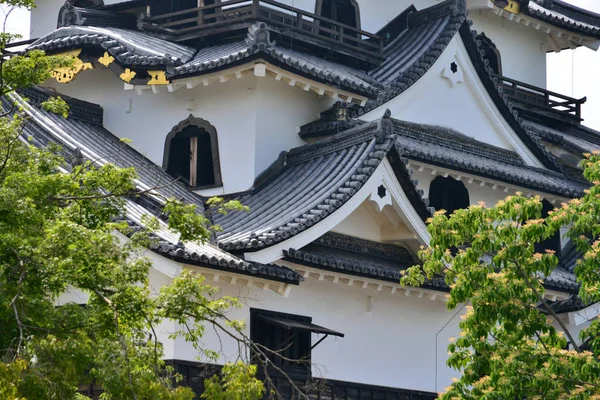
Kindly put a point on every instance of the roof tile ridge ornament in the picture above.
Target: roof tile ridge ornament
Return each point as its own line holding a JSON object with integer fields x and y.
{"x": 259, "y": 36}
{"x": 385, "y": 126}
{"x": 67, "y": 15}
{"x": 460, "y": 8}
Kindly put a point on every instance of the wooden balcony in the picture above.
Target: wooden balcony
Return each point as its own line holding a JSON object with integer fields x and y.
{"x": 542, "y": 99}
{"x": 235, "y": 15}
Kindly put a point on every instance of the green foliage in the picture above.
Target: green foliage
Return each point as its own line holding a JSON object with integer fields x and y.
{"x": 511, "y": 344}
{"x": 58, "y": 236}
{"x": 237, "y": 383}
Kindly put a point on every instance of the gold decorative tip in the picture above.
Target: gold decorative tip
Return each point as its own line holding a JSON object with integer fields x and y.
{"x": 513, "y": 7}
{"x": 106, "y": 59}
{"x": 67, "y": 74}
{"x": 128, "y": 75}
{"x": 158, "y": 78}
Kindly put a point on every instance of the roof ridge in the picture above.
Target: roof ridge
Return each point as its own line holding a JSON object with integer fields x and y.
{"x": 448, "y": 7}
{"x": 366, "y": 247}
{"x": 457, "y": 138}
{"x": 331, "y": 144}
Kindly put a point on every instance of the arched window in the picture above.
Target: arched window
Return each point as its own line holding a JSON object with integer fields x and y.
{"x": 492, "y": 54}
{"x": 553, "y": 242}
{"x": 448, "y": 194}
{"x": 192, "y": 153}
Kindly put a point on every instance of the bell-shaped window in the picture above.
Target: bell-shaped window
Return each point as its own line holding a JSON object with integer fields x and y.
{"x": 192, "y": 153}
{"x": 448, "y": 194}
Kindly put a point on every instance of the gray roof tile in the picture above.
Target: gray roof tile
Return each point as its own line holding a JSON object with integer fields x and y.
{"x": 317, "y": 180}
{"x": 127, "y": 46}
{"x": 439, "y": 146}
{"x": 565, "y": 16}
{"x": 223, "y": 55}
{"x": 95, "y": 142}
{"x": 416, "y": 49}
{"x": 354, "y": 256}
{"x": 132, "y": 48}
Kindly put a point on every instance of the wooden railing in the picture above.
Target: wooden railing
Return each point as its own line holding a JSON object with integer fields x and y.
{"x": 292, "y": 21}
{"x": 541, "y": 98}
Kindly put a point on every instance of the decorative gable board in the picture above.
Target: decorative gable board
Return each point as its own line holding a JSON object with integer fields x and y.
{"x": 451, "y": 95}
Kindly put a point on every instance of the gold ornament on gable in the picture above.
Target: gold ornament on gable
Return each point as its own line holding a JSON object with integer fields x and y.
{"x": 158, "y": 78}
{"x": 106, "y": 59}
{"x": 67, "y": 74}
{"x": 128, "y": 75}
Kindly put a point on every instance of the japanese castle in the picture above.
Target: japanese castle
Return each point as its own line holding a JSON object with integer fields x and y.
{"x": 342, "y": 125}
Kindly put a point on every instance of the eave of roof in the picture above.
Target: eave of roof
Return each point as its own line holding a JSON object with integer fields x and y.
{"x": 385, "y": 262}
{"x": 359, "y": 257}
{"x": 443, "y": 147}
{"x": 136, "y": 49}
{"x": 316, "y": 181}
{"x": 565, "y": 16}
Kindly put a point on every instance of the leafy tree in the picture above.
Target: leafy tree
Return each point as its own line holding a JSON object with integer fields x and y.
{"x": 512, "y": 345}
{"x": 58, "y": 234}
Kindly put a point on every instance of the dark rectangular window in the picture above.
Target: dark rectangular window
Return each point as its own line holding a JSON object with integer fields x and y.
{"x": 291, "y": 344}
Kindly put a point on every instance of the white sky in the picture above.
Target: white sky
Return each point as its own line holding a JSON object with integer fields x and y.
{"x": 573, "y": 73}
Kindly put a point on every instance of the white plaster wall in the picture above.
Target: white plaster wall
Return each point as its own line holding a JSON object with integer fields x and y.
{"x": 255, "y": 121}
{"x": 229, "y": 107}
{"x": 360, "y": 224}
{"x": 280, "y": 111}
{"x": 522, "y": 48}
{"x": 437, "y": 102}
{"x": 44, "y": 17}
{"x": 401, "y": 343}
{"x": 458, "y": 101}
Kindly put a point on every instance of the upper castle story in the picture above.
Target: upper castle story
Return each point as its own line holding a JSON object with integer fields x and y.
{"x": 249, "y": 75}
{"x": 523, "y": 31}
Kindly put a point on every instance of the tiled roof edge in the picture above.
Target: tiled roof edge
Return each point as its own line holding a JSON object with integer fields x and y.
{"x": 331, "y": 144}
{"x": 566, "y": 16}
{"x": 308, "y": 259}
{"x": 426, "y": 61}
{"x": 505, "y": 106}
{"x": 121, "y": 51}
{"x": 178, "y": 253}
{"x": 447, "y": 137}
{"x": 78, "y": 109}
{"x": 366, "y": 247}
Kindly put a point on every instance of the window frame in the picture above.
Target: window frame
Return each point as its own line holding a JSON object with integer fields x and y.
{"x": 354, "y": 3}
{"x": 298, "y": 371}
{"x": 204, "y": 125}
{"x": 447, "y": 182}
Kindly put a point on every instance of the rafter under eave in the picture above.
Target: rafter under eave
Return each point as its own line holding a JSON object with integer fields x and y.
{"x": 258, "y": 69}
